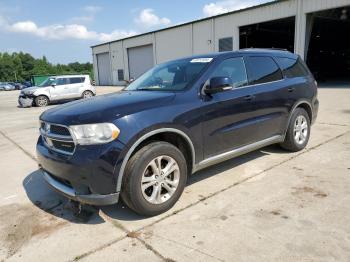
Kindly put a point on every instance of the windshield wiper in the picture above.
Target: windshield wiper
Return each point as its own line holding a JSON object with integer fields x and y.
{"x": 149, "y": 88}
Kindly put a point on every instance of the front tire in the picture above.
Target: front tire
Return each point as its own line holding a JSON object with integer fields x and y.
{"x": 155, "y": 178}
{"x": 41, "y": 101}
{"x": 298, "y": 132}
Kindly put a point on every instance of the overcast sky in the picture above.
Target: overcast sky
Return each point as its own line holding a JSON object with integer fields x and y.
{"x": 64, "y": 30}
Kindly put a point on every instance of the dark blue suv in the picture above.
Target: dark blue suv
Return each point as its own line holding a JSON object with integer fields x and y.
{"x": 177, "y": 118}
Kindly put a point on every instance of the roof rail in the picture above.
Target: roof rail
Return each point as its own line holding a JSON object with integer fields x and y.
{"x": 264, "y": 48}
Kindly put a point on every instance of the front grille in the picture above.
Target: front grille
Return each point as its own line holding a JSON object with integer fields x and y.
{"x": 59, "y": 130}
{"x": 63, "y": 146}
{"x": 57, "y": 138}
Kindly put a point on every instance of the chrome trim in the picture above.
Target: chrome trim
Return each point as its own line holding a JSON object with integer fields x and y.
{"x": 237, "y": 152}
{"x": 144, "y": 137}
{"x": 247, "y": 86}
{"x": 56, "y": 137}
{"x": 49, "y": 135}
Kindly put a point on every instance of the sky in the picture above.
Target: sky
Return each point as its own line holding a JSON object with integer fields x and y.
{"x": 64, "y": 30}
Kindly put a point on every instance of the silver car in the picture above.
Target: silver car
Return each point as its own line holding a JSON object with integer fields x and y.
{"x": 6, "y": 87}
{"x": 58, "y": 88}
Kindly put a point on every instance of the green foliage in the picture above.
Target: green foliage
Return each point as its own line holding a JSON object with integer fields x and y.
{"x": 22, "y": 66}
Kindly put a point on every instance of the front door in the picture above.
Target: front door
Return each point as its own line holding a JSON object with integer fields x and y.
{"x": 229, "y": 115}
{"x": 59, "y": 90}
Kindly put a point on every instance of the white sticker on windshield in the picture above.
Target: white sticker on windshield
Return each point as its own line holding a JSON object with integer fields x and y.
{"x": 201, "y": 60}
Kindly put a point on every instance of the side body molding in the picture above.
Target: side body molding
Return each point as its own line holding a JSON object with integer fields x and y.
{"x": 143, "y": 138}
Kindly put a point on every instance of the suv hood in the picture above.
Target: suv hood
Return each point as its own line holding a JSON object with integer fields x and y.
{"x": 106, "y": 108}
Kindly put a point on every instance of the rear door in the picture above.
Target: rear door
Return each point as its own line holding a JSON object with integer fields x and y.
{"x": 75, "y": 85}
{"x": 296, "y": 76}
{"x": 270, "y": 98}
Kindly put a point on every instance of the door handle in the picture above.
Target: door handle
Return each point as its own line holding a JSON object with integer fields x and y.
{"x": 291, "y": 89}
{"x": 249, "y": 97}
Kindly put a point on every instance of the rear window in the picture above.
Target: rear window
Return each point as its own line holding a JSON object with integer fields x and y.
{"x": 76, "y": 80}
{"x": 292, "y": 67}
{"x": 263, "y": 69}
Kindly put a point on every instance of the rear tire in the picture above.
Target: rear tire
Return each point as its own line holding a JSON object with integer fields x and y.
{"x": 298, "y": 132}
{"x": 41, "y": 101}
{"x": 87, "y": 94}
{"x": 154, "y": 179}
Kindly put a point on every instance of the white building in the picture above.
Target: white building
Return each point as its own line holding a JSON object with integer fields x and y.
{"x": 318, "y": 30}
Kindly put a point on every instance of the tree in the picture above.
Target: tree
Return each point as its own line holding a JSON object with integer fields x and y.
{"x": 22, "y": 66}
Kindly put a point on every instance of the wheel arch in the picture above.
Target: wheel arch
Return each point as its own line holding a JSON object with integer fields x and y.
{"x": 172, "y": 135}
{"x": 306, "y": 105}
{"x": 45, "y": 95}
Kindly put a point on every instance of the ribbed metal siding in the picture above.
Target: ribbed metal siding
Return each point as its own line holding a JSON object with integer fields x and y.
{"x": 103, "y": 67}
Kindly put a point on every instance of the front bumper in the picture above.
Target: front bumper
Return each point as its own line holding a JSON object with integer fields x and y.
{"x": 89, "y": 175}
{"x": 25, "y": 101}
{"x": 91, "y": 199}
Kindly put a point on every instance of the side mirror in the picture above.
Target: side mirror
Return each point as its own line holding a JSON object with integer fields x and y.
{"x": 218, "y": 84}
{"x": 53, "y": 84}
{"x": 128, "y": 82}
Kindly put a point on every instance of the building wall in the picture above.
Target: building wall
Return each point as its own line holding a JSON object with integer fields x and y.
{"x": 203, "y": 36}
{"x": 98, "y": 50}
{"x": 117, "y": 60}
{"x": 133, "y": 42}
{"x": 173, "y": 43}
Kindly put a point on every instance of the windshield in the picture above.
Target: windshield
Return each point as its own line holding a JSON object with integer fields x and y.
{"x": 48, "y": 82}
{"x": 171, "y": 76}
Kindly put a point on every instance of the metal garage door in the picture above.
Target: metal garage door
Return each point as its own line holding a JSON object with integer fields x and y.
{"x": 104, "y": 71}
{"x": 140, "y": 60}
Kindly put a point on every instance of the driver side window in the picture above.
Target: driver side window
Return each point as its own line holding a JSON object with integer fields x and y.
{"x": 61, "y": 81}
{"x": 233, "y": 68}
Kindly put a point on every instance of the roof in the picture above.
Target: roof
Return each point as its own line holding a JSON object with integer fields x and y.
{"x": 65, "y": 76}
{"x": 257, "y": 51}
{"x": 275, "y": 51}
{"x": 272, "y": 2}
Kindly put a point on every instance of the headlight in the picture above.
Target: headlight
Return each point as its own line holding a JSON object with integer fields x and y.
{"x": 94, "y": 133}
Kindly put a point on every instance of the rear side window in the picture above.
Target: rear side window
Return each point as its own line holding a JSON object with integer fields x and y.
{"x": 263, "y": 69}
{"x": 292, "y": 67}
{"x": 233, "y": 68}
{"x": 76, "y": 80}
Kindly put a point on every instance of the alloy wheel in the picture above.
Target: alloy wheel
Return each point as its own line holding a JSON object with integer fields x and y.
{"x": 300, "y": 129}
{"x": 160, "y": 179}
{"x": 87, "y": 95}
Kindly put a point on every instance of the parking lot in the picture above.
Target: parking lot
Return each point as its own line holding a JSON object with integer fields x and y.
{"x": 268, "y": 205}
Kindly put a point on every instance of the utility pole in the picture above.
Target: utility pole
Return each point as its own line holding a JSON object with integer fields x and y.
{"x": 15, "y": 76}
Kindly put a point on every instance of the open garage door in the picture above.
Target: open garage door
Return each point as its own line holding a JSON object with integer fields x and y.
{"x": 273, "y": 34}
{"x": 328, "y": 53}
{"x": 104, "y": 72}
{"x": 140, "y": 60}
